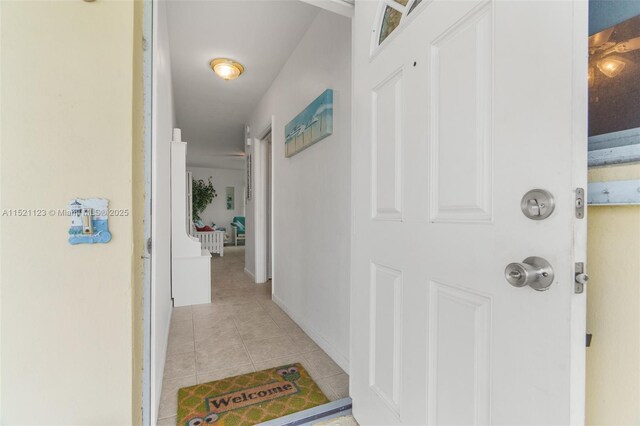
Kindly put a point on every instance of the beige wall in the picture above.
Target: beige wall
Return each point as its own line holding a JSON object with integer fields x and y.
{"x": 613, "y": 304}
{"x": 70, "y": 128}
{"x": 137, "y": 205}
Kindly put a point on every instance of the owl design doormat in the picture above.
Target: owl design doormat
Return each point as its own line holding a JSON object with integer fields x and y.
{"x": 249, "y": 399}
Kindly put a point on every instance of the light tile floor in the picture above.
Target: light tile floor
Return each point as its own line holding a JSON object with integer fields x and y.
{"x": 241, "y": 331}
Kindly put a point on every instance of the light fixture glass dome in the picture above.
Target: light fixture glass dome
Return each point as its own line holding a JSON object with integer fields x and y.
{"x": 611, "y": 66}
{"x": 226, "y": 69}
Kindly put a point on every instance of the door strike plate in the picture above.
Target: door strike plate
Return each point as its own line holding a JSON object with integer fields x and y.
{"x": 581, "y": 278}
{"x": 580, "y": 203}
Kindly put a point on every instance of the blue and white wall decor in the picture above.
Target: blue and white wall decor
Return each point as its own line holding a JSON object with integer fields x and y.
{"x": 311, "y": 125}
{"x": 89, "y": 221}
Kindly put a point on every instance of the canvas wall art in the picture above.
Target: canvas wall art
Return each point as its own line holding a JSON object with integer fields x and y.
{"x": 311, "y": 125}
{"x": 231, "y": 197}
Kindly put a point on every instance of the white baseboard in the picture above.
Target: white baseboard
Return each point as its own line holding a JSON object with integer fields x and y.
{"x": 315, "y": 336}
{"x": 166, "y": 336}
{"x": 248, "y": 272}
{"x": 163, "y": 354}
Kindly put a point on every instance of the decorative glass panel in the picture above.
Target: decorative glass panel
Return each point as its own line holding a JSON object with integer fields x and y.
{"x": 413, "y": 6}
{"x": 390, "y": 22}
{"x": 402, "y": 2}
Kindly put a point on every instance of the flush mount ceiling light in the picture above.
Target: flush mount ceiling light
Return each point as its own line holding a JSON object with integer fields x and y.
{"x": 226, "y": 69}
{"x": 611, "y": 66}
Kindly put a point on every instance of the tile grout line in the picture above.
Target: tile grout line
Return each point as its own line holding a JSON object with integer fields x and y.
{"x": 331, "y": 386}
{"x": 301, "y": 354}
{"x": 235, "y": 326}
{"x": 224, "y": 368}
{"x": 267, "y": 338}
{"x": 195, "y": 353}
{"x": 181, "y": 377}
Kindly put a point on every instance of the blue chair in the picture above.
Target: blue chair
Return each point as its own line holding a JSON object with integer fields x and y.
{"x": 238, "y": 229}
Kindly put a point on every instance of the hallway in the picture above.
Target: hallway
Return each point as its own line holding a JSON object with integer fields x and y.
{"x": 241, "y": 331}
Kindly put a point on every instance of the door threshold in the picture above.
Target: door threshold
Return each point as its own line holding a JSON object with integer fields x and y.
{"x": 333, "y": 409}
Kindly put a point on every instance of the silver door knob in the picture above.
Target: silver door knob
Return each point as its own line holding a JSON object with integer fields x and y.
{"x": 534, "y": 271}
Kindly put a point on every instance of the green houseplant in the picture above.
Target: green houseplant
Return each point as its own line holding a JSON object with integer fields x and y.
{"x": 202, "y": 194}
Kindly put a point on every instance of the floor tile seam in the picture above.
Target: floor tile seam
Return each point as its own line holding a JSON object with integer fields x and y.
{"x": 236, "y": 321}
{"x": 315, "y": 369}
{"x": 331, "y": 386}
{"x": 167, "y": 417}
{"x": 179, "y": 377}
{"x": 304, "y": 358}
{"x": 224, "y": 368}
{"x": 245, "y": 346}
{"x": 333, "y": 392}
{"x": 264, "y": 337}
{"x": 272, "y": 337}
{"x": 181, "y": 353}
{"x": 195, "y": 353}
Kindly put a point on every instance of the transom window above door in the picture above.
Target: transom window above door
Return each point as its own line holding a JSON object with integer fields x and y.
{"x": 392, "y": 15}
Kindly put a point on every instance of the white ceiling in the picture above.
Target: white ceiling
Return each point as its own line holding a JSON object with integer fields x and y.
{"x": 260, "y": 34}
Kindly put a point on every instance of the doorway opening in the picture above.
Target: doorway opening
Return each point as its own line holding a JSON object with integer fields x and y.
{"x": 417, "y": 298}
{"x": 268, "y": 211}
{"x": 249, "y": 324}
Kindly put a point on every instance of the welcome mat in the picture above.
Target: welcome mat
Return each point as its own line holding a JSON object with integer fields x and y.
{"x": 249, "y": 399}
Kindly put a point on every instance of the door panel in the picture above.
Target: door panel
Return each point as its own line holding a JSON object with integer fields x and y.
{"x": 461, "y": 65}
{"x": 387, "y": 148}
{"x": 386, "y": 333}
{"x": 459, "y": 382}
{"x": 462, "y": 110}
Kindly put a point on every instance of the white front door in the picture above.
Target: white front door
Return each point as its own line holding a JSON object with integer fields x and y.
{"x": 464, "y": 108}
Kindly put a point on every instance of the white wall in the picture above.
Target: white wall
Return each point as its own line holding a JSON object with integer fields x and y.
{"x": 164, "y": 119}
{"x": 311, "y": 190}
{"x": 217, "y": 211}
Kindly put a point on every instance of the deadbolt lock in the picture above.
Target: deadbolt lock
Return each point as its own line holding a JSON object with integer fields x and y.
{"x": 537, "y": 204}
{"x": 534, "y": 272}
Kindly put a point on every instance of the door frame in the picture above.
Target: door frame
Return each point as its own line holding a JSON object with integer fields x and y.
{"x": 580, "y": 168}
{"x": 149, "y": 35}
{"x": 268, "y": 142}
{"x": 261, "y": 225}
{"x": 150, "y": 338}
{"x": 155, "y": 340}
{"x": 148, "y": 313}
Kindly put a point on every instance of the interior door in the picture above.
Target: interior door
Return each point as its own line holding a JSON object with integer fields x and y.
{"x": 461, "y": 110}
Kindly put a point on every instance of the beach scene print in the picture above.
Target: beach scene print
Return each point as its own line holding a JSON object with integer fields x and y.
{"x": 311, "y": 125}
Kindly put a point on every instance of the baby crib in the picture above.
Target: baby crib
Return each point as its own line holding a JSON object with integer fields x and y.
{"x": 213, "y": 241}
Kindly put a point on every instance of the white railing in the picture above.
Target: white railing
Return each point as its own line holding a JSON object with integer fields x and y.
{"x": 213, "y": 241}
